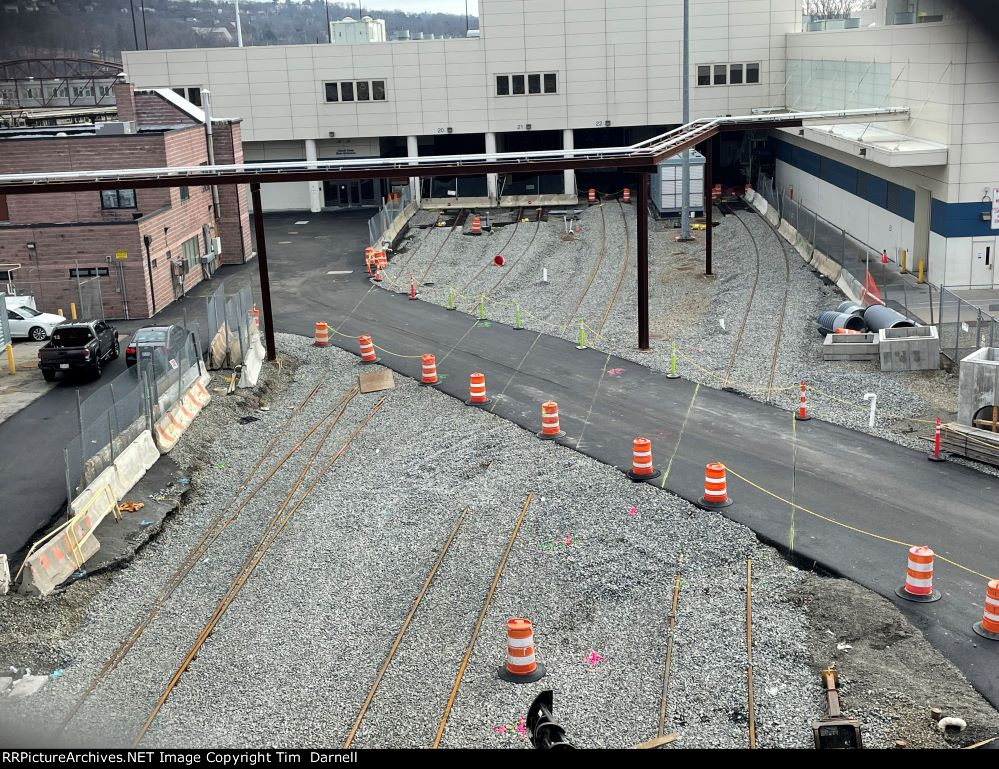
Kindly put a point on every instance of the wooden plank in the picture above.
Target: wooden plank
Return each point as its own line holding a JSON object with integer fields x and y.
{"x": 375, "y": 379}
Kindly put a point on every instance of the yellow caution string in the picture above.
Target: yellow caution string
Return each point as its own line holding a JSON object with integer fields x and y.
{"x": 847, "y": 526}
{"x": 382, "y": 349}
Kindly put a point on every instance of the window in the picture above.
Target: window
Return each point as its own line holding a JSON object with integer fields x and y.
{"x": 518, "y": 85}
{"x": 191, "y": 253}
{"x": 347, "y": 91}
{"x": 378, "y": 90}
{"x": 331, "y": 92}
{"x": 704, "y": 74}
{"x": 738, "y": 73}
{"x": 88, "y": 272}
{"x": 185, "y": 193}
{"x": 58, "y": 92}
{"x": 720, "y": 72}
{"x": 735, "y": 74}
{"x": 355, "y": 90}
{"x": 106, "y": 90}
{"x": 534, "y": 83}
{"x": 117, "y": 199}
{"x": 192, "y": 94}
{"x": 752, "y": 73}
{"x": 81, "y": 91}
{"x": 551, "y": 83}
{"x": 363, "y": 90}
{"x": 502, "y": 85}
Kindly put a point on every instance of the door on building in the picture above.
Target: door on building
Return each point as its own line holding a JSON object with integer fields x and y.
{"x": 983, "y": 260}
{"x": 349, "y": 193}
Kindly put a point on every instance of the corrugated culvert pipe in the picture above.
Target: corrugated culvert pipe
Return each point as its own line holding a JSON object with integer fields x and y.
{"x": 831, "y": 320}
{"x": 878, "y": 316}
{"x": 850, "y": 308}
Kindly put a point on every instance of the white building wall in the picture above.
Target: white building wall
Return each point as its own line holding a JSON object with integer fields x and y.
{"x": 616, "y": 61}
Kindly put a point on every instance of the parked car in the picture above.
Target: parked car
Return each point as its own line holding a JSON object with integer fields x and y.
{"x": 76, "y": 346}
{"x": 155, "y": 343}
{"x": 27, "y": 323}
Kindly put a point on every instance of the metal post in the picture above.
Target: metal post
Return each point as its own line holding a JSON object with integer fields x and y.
{"x": 329, "y": 29}
{"x": 79, "y": 288}
{"x": 265, "y": 282}
{"x": 79, "y": 419}
{"x": 708, "y": 206}
{"x": 643, "y": 263}
{"x": 978, "y": 330}
{"x": 69, "y": 484}
{"x": 239, "y": 28}
{"x": 117, "y": 428}
{"x": 135, "y": 29}
{"x": 685, "y": 155}
{"x": 957, "y": 330}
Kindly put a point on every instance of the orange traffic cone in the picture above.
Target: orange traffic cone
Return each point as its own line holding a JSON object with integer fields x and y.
{"x": 367, "y": 349}
{"x": 802, "y": 414}
{"x": 378, "y": 276}
{"x": 918, "y": 585}
{"x": 641, "y": 461}
{"x": 429, "y": 377}
{"x": 412, "y": 287}
{"x": 715, "y": 487}
{"x": 522, "y": 666}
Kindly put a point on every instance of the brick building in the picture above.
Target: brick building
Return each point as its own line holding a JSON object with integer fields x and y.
{"x": 145, "y": 247}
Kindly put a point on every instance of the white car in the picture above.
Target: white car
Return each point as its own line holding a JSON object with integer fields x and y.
{"x": 26, "y": 323}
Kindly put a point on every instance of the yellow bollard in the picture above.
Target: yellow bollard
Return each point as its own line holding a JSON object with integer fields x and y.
{"x": 72, "y": 308}
{"x": 11, "y": 368}
{"x": 59, "y": 312}
{"x": 920, "y": 280}
{"x": 901, "y": 262}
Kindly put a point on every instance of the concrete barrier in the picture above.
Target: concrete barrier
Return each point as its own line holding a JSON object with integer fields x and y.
{"x": 4, "y": 575}
{"x": 132, "y": 464}
{"x": 171, "y": 426}
{"x": 93, "y": 497}
{"x": 837, "y": 347}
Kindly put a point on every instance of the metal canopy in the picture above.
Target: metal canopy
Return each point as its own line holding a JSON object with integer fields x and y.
{"x": 640, "y": 158}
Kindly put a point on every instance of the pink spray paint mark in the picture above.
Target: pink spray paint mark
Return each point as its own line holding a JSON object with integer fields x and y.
{"x": 568, "y": 540}
{"x": 632, "y": 512}
{"x": 501, "y": 729}
{"x": 615, "y": 371}
{"x": 593, "y": 659}
{"x": 522, "y": 727}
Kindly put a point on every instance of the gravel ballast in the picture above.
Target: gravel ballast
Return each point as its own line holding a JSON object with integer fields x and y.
{"x": 593, "y": 567}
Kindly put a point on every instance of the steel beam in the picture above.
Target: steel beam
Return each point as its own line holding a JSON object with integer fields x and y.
{"x": 643, "y": 261}
{"x": 265, "y": 281}
{"x": 708, "y": 206}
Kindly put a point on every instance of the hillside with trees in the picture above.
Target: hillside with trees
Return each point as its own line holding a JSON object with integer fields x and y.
{"x": 104, "y": 28}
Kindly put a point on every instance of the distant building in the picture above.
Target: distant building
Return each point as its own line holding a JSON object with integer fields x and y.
{"x": 349, "y": 32}
{"x": 214, "y": 34}
{"x": 145, "y": 247}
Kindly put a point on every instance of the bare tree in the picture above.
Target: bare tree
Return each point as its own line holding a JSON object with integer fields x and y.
{"x": 829, "y": 9}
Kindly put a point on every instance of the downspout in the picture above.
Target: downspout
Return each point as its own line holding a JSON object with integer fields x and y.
{"x": 206, "y": 105}
{"x": 146, "y": 241}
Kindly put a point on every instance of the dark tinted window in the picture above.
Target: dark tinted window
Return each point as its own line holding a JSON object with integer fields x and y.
{"x": 735, "y": 74}
{"x": 704, "y": 75}
{"x": 347, "y": 91}
{"x": 534, "y": 83}
{"x": 378, "y": 90}
{"x": 363, "y": 91}
{"x": 551, "y": 83}
{"x": 150, "y": 335}
{"x": 502, "y": 85}
{"x": 331, "y": 92}
{"x": 720, "y": 72}
{"x": 752, "y": 73}
{"x": 518, "y": 84}
{"x": 71, "y": 337}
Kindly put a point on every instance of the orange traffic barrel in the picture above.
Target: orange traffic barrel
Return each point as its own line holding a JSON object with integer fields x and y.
{"x": 989, "y": 626}
{"x": 322, "y": 334}
{"x": 477, "y": 389}
{"x": 381, "y": 260}
{"x": 476, "y": 226}
{"x": 429, "y": 377}
{"x": 367, "y": 349}
{"x": 627, "y": 195}
{"x": 715, "y": 487}
{"x": 549, "y": 421}
{"x": 591, "y": 196}
{"x": 522, "y": 666}
{"x": 918, "y": 585}
{"x": 641, "y": 460}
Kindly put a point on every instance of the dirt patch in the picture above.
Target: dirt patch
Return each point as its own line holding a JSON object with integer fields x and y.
{"x": 890, "y": 675}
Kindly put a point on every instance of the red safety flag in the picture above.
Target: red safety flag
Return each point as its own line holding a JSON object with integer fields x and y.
{"x": 870, "y": 295}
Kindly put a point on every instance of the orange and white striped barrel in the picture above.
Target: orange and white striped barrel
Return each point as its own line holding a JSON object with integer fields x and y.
{"x": 369, "y": 255}
{"x": 627, "y": 195}
{"x": 591, "y": 196}
{"x": 801, "y": 414}
{"x": 989, "y": 626}
{"x": 429, "y": 370}
{"x": 380, "y": 260}
{"x": 322, "y": 335}
{"x": 549, "y": 421}
{"x": 476, "y": 226}
{"x": 367, "y": 349}
{"x": 476, "y": 389}
{"x": 919, "y": 577}
{"x": 641, "y": 460}
{"x": 715, "y": 487}
{"x": 522, "y": 665}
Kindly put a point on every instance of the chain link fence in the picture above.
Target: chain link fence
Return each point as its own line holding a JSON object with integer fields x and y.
{"x": 83, "y": 293}
{"x": 391, "y": 208}
{"x": 963, "y": 327}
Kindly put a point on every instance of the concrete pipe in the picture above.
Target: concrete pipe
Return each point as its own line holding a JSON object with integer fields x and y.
{"x": 831, "y": 320}
{"x": 850, "y": 308}
{"x": 878, "y": 316}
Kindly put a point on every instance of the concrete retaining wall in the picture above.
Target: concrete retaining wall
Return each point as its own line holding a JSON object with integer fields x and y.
{"x": 909, "y": 349}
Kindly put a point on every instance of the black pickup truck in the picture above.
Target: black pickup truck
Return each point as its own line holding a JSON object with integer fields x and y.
{"x": 79, "y": 345}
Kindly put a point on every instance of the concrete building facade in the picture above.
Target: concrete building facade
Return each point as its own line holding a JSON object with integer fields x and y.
{"x": 555, "y": 74}
{"x": 145, "y": 247}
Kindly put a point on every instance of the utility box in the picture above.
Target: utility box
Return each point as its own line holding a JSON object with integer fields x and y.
{"x": 978, "y": 390}
{"x": 909, "y": 349}
{"x": 862, "y": 347}
{"x": 667, "y": 184}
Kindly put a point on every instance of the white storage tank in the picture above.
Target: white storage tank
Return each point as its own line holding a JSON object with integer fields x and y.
{"x": 667, "y": 185}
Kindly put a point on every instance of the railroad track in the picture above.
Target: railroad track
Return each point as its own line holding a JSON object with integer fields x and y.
{"x": 216, "y": 528}
{"x": 463, "y": 665}
{"x": 275, "y": 526}
{"x": 593, "y": 272}
{"x": 622, "y": 273}
{"x": 459, "y": 223}
{"x": 751, "y": 713}
{"x": 733, "y": 357}
{"x": 506, "y": 244}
